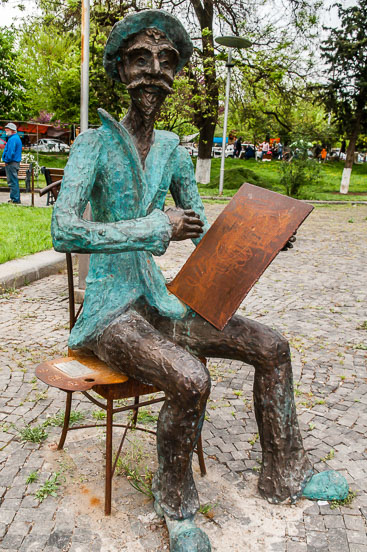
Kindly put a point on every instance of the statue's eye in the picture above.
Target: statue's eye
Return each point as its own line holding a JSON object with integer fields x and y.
{"x": 141, "y": 62}
{"x": 165, "y": 64}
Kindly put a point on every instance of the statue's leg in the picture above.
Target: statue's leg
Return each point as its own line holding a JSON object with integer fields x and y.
{"x": 132, "y": 345}
{"x": 285, "y": 467}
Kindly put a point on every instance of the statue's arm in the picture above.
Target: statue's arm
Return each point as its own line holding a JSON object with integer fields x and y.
{"x": 184, "y": 189}
{"x": 71, "y": 233}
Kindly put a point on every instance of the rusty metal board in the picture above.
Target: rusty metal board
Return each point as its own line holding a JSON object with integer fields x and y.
{"x": 78, "y": 372}
{"x": 240, "y": 245}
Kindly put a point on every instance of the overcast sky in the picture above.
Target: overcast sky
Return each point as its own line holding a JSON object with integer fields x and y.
{"x": 10, "y": 13}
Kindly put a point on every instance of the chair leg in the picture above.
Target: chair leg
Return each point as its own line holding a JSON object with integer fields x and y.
{"x": 108, "y": 482}
{"x": 201, "y": 457}
{"x": 69, "y": 397}
{"x": 136, "y": 410}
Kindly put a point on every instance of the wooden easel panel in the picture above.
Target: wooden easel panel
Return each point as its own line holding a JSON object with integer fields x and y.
{"x": 240, "y": 245}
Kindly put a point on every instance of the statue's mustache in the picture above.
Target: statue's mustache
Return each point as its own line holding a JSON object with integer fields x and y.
{"x": 158, "y": 83}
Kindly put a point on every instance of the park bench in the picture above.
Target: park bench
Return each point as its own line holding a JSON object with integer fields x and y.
{"x": 53, "y": 178}
{"x": 25, "y": 173}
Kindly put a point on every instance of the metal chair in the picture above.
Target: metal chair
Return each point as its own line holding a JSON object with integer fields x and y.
{"x": 85, "y": 372}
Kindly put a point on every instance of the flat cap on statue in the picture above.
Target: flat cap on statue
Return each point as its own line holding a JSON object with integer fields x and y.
{"x": 147, "y": 19}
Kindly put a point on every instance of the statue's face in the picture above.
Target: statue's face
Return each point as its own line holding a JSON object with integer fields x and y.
{"x": 148, "y": 68}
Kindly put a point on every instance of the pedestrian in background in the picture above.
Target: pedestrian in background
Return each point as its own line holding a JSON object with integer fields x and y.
{"x": 265, "y": 149}
{"x": 237, "y": 147}
{"x": 323, "y": 155}
{"x": 12, "y": 156}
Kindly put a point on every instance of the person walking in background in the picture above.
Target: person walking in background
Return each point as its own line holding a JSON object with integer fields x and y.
{"x": 280, "y": 151}
{"x": 237, "y": 147}
{"x": 323, "y": 155}
{"x": 265, "y": 149}
{"x": 12, "y": 156}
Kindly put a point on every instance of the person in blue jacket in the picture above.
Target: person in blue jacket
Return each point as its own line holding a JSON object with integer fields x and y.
{"x": 12, "y": 156}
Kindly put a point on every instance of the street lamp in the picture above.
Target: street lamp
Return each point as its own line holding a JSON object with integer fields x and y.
{"x": 231, "y": 42}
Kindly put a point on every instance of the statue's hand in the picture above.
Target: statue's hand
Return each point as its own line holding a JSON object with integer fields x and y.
{"x": 186, "y": 224}
{"x": 290, "y": 242}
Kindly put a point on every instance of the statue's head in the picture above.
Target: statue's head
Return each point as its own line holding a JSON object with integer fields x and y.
{"x": 145, "y": 51}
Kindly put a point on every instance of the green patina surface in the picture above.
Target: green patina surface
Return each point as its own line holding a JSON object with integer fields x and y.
{"x": 129, "y": 225}
{"x": 327, "y": 485}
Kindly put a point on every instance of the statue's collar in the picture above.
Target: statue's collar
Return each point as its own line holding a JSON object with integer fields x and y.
{"x": 170, "y": 139}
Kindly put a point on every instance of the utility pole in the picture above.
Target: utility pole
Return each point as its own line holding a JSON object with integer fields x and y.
{"x": 84, "y": 104}
{"x": 230, "y": 42}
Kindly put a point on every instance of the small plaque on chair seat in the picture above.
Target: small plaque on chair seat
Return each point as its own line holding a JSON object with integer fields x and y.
{"x": 74, "y": 369}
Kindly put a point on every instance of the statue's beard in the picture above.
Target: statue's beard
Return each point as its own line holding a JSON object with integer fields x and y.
{"x": 148, "y": 100}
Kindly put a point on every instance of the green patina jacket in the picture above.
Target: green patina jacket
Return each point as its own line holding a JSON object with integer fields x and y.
{"x": 129, "y": 225}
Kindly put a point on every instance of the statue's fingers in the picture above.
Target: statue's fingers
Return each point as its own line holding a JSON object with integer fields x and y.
{"x": 193, "y": 226}
{"x": 189, "y": 213}
{"x": 193, "y": 220}
{"x": 193, "y": 235}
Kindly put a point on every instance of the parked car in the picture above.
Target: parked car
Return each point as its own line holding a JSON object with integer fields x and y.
{"x": 217, "y": 151}
{"x": 46, "y": 145}
{"x": 2, "y": 143}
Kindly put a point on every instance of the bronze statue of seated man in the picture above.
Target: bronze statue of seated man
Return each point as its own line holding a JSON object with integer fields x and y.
{"x": 129, "y": 319}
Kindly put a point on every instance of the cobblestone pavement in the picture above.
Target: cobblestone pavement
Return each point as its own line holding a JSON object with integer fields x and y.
{"x": 316, "y": 296}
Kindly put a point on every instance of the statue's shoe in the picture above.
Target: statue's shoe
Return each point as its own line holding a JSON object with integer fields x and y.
{"x": 327, "y": 485}
{"x": 184, "y": 536}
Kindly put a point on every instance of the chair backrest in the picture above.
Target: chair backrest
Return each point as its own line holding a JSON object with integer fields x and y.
{"x": 52, "y": 174}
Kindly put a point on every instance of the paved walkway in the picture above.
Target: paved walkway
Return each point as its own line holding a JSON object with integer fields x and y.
{"x": 316, "y": 296}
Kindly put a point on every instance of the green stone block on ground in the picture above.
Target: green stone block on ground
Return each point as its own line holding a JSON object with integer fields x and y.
{"x": 327, "y": 485}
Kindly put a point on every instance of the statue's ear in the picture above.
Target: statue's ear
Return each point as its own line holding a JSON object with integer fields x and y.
{"x": 120, "y": 69}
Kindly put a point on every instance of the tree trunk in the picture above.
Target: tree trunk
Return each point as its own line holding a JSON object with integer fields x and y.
{"x": 206, "y": 113}
{"x": 203, "y": 164}
{"x": 347, "y": 171}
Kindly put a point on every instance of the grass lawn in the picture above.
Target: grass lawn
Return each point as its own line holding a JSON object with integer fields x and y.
{"x": 26, "y": 230}
{"x": 267, "y": 174}
{"x": 23, "y": 231}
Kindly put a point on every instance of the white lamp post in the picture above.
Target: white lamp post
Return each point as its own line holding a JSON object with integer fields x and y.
{"x": 230, "y": 42}
{"x": 84, "y": 104}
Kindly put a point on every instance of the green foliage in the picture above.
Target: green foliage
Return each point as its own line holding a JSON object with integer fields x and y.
{"x": 58, "y": 419}
{"x": 50, "y": 61}
{"x": 32, "y": 477}
{"x": 329, "y": 456}
{"x": 344, "y": 52}
{"x": 177, "y": 113}
{"x": 132, "y": 465}
{"x": 254, "y": 439}
{"x": 12, "y": 83}
{"x": 50, "y": 64}
{"x": 298, "y": 173}
{"x": 207, "y": 510}
{"x": 99, "y": 414}
{"x": 145, "y": 416}
{"x": 49, "y": 488}
{"x": 346, "y": 502}
{"x": 35, "y": 434}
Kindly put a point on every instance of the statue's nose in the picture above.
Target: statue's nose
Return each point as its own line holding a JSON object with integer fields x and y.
{"x": 155, "y": 65}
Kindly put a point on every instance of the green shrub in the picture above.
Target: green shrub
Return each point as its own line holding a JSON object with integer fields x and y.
{"x": 299, "y": 173}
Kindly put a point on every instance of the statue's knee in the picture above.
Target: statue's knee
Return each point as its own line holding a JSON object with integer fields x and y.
{"x": 195, "y": 386}
{"x": 275, "y": 349}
